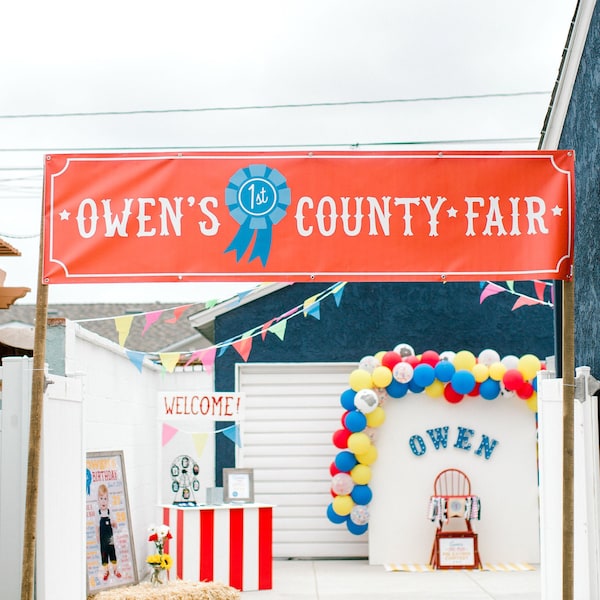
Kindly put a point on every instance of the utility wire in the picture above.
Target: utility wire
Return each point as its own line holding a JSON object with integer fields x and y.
{"x": 269, "y": 106}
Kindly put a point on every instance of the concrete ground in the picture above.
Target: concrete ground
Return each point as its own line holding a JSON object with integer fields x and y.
{"x": 356, "y": 579}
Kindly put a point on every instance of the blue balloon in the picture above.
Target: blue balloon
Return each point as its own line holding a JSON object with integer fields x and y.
{"x": 334, "y": 517}
{"x": 355, "y": 421}
{"x": 489, "y": 389}
{"x": 356, "y": 529}
{"x": 534, "y": 384}
{"x": 414, "y": 388}
{"x": 424, "y": 375}
{"x": 444, "y": 371}
{"x": 361, "y": 494}
{"x": 347, "y": 399}
{"x": 345, "y": 461}
{"x": 397, "y": 389}
{"x": 463, "y": 381}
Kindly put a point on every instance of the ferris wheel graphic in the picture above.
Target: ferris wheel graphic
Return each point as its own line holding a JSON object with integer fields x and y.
{"x": 184, "y": 480}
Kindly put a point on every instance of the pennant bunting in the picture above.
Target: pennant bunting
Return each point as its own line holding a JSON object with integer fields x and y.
{"x": 151, "y": 318}
{"x": 525, "y": 301}
{"x": 314, "y": 310}
{"x": 123, "y": 325}
{"x": 511, "y": 286}
{"x": 177, "y": 312}
{"x": 308, "y": 303}
{"x": 338, "y": 290}
{"x": 489, "y": 290}
{"x": 540, "y": 287}
{"x": 199, "y": 440}
{"x": 223, "y": 348}
{"x": 233, "y": 433}
{"x": 137, "y": 358}
{"x": 196, "y": 355}
{"x": 279, "y": 329}
{"x": 168, "y": 432}
{"x": 211, "y": 303}
{"x": 169, "y": 360}
{"x": 208, "y": 358}
{"x": 243, "y": 347}
{"x": 265, "y": 328}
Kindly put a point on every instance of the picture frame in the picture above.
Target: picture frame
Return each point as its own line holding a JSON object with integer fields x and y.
{"x": 238, "y": 486}
{"x": 110, "y": 560}
{"x": 457, "y": 550}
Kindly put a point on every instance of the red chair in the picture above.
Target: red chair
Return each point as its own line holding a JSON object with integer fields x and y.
{"x": 452, "y": 489}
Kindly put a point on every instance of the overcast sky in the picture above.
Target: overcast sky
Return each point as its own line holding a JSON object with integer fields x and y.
{"x": 466, "y": 74}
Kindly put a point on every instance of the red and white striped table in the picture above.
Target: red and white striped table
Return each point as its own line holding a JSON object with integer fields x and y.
{"x": 228, "y": 543}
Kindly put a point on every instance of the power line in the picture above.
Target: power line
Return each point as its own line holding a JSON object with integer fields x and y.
{"x": 270, "y": 106}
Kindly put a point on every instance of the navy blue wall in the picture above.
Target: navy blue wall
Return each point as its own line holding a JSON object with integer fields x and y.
{"x": 581, "y": 132}
{"x": 378, "y": 316}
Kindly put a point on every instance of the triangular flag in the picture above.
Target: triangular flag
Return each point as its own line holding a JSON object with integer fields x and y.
{"x": 196, "y": 355}
{"x": 169, "y": 360}
{"x": 524, "y": 301}
{"x": 199, "y": 442}
{"x": 308, "y": 303}
{"x": 167, "y": 433}
{"x": 314, "y": 310}
{"x": 511, "y": 285}
{"x": 265, "y": 328}
{"x": 151, "y": 318}
{"x": 123, "y": 325}
{"x": 279, "y": 329}
{"x": 211, "y": 303}
{"x": 540, "y": 287}
{"x": 222, "y": 349}
{"x": 337, "y": 293}
{"x": 137, "y": 358}
{"x": 489, "y": 290}
{"x": 289, "y": 313}
{"x": 243, "y": 347}
{"x": 208, "y": 358}
{"x": 177, "y": 312}
{"x": 233, "y": 433}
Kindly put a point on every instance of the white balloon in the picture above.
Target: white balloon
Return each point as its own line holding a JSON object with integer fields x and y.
{"x": 510, "y": 361}
{"x": 404, "y": 350}
{"x": 448, "y": 355}
{"x": 488, "y": 357}
{"x": 368, "y": 363}
{"x": 366, "y": 400}
{"x": 402, "y": 372}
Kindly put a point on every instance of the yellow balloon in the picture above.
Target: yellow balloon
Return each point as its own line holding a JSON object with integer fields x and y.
{"x": 360, "y": 379}
{"x": 532, "y": 402}
{"x": 381, "y": 376}
{"x": 368, "y": 457}
{"x": 361, "y": 474}
{"x": 342, "y": 505}
{"x": 497, "y": 371}
{"x": 464, "y": 360}
{"x": 481, "y": 372}
{"x": 376, "y": 417}
{"x": 379, "y": 356}
{"x": 529, "y": 365}
{"x": 436, "y": 389}
{"x": 359, "y": 442}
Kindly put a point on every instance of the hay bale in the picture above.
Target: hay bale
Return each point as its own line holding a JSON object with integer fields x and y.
{"x": 173, "y": 590}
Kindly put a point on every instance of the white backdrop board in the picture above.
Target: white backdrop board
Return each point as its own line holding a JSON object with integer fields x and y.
{"x": 503, "y": 475}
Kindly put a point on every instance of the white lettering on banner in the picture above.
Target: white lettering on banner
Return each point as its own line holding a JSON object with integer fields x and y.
{"x": 220, "y": 407}
{"x": 326, "y": 217}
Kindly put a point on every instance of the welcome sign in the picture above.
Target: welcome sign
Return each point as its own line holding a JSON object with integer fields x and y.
{"x": 308, "y": 216}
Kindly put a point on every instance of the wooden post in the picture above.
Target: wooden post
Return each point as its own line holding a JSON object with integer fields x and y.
{"x": 35, "y": 433}
{"x": 568, "y": 377}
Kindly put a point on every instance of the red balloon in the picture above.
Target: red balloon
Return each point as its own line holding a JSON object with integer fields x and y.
{"x": 475, "y": 390}
{"x": 525, "y": 391}
{"x": 452, "y": 395}
{"x": 389, "y": 359}
{"x": 340, "y": 438}
{"x": 430, "y": 357}
{"x": 343, "y": 419}
{"x": 333, "y": 470}
{"x": 413, "y": 361}
{"x": 512, "y": 379}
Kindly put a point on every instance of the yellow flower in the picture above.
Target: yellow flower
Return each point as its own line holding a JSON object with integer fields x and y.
{"x": 153, "y": 559}
{"x": 167, "y": 561}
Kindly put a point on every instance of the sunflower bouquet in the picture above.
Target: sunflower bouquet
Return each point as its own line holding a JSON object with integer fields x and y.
{"x": 160, "y": 560}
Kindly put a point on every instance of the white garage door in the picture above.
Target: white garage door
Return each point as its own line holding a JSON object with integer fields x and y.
{"x": 291, "y": 413}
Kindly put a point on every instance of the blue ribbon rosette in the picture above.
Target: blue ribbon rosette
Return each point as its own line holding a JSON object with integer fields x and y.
{"x": 257, "y": 197}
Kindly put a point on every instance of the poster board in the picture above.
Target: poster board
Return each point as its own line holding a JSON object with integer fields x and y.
{"x": 238, "y": 486}
{"x": 110, "y": 552}
{"x": 456, "y": 550}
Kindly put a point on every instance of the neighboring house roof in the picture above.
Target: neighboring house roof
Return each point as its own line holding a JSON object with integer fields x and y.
{"x": 160, "y": 336}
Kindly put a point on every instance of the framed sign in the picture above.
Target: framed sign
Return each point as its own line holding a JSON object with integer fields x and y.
{"x": 238, "y": 485}
{"x": 457, "y": 550}
{"x": 109, "y": 541}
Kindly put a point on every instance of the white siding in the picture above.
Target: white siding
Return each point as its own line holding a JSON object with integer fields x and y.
{"x": 291, "y": 413}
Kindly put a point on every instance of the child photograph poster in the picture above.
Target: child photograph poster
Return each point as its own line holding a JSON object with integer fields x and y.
{"x": 109, "y": 547}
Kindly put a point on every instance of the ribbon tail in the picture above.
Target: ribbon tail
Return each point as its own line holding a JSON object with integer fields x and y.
{"x": 240, "y": 242}
{"x": 262, "y": 246}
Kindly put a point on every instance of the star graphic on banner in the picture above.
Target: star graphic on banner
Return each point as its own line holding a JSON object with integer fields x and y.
{"x": 452, "y": 212}
{"x": 64, "y": 215}
{"x": 557, "y": 211}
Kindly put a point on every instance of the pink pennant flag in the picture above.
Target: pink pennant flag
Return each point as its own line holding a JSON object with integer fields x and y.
{"x": 525, "y": 301}
{"x": 196, "y": 355}
{"x": 265, "y": 328}
{"x": 151, "y": 318}
{"x": 540, "y": 287}
{"x": 208, "y": 357}
{"x": 177, "y": 312}
{"x": 243, "y": 347}
{"x": 489, "y": 290}
{"x": 167, "y": 433}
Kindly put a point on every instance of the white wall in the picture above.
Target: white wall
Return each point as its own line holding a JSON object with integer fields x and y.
{"x": 399, "y": 530}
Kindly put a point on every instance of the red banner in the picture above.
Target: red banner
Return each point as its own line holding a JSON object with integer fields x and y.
{"x": 309, "y": 216}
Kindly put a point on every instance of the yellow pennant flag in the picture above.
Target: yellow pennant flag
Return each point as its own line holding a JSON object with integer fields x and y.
{"x": 123, "y": 325}
{"x": 169, "y": 360}
{"x": 200, "y": 440}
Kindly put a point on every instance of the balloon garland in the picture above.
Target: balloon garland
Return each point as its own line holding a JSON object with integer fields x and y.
{"x": 393, "y": 374}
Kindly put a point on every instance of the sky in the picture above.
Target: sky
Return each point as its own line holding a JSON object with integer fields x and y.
{"x": 264, "y": 74}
